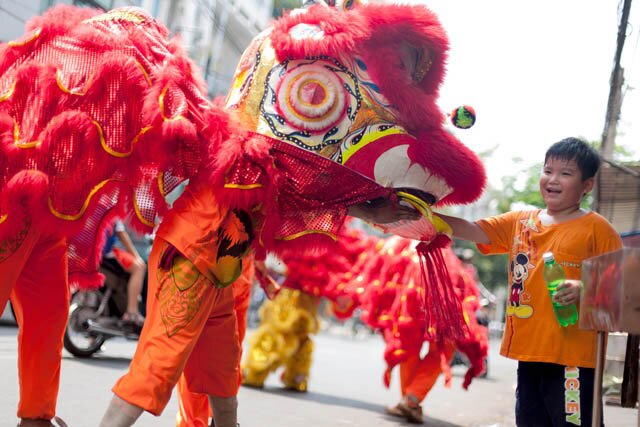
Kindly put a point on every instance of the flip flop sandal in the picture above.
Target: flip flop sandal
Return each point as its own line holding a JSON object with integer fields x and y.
{"x": 55, "y": 422}
{"x": 394, "y": 410}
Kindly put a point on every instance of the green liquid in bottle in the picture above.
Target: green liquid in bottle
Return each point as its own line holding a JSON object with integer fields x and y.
{"x": 554, "y": 276}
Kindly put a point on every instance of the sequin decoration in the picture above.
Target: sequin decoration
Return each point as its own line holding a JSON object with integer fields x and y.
{"x": 311, "y": 103}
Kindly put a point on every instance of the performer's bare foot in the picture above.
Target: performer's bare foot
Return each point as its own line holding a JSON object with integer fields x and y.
{"x": 225, "y": 411}
{"x": 120, "y": 413}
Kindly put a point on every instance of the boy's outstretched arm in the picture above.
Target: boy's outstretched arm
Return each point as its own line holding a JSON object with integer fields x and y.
{"x": 465, "y": 230}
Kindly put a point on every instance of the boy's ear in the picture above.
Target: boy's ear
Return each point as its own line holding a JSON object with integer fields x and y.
{"x": 588, "y": 185}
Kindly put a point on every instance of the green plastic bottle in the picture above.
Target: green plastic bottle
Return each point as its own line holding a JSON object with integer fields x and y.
{"x": 553, "y": 276}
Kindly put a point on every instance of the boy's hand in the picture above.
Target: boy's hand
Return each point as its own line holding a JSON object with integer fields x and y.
{"x": 383, "y": 211}
{"x": 568, "y": 292}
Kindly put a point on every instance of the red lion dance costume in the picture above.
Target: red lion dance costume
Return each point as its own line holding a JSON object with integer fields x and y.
{"x": 386, "y": 281}
{"x": 381, "y": 277}
{"x": 101, "y": 115}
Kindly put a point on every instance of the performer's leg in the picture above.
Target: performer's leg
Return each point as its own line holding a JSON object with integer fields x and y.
{"x": 408, "y": 371}
{"x": 427, "y": 372}
{"x": 14, "y": 254}
{"x": 225, "y": 410}
{"x": 297, "y": 367}
{"x": 193, "y": 408}
{"x": 213, "y": 367}
{"x": 40, "y": 299}
{"x": 179, "y": 305}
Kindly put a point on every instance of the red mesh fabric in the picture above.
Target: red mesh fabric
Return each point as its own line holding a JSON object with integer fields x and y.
{"x": 110, "y": 111}
{"x": 85, "y": 247}
{"x": 312, "y": 197}
{"x": 416, "y": 295}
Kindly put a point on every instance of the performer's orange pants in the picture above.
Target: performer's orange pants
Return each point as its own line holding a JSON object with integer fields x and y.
{"x": 417, "y": 376}
{"x": 190, "y": 327}
{"x": 34, "y": 276}
{"x": 193, "y": 408}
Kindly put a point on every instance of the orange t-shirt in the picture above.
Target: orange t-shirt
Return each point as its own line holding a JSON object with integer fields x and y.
{"x": 531, "y": 330}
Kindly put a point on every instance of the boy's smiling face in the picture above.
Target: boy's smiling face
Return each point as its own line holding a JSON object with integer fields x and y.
{"x": 561, "y": 185}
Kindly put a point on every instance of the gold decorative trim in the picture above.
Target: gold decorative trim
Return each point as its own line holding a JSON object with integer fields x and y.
{"x": 83, "y": 92}
{"x": 144, "y": 73}
{"x": 307, "y": 232}
{"x": 161, "y": 103}
{"x": 84, "y": 206}
{"x": 118, "y": 14}
{"x": 8, "y": 93}
{"x": 16, "y": 138}
{"x": 36, "y": 34}
{"x": 3, "y": 218}
{"x": 63, "y": 88}
{"x": 243, "y": 186}
{"x": 111, "y": 151}
{"x": 399, "y": 352}
{"x": 161, "y": 183}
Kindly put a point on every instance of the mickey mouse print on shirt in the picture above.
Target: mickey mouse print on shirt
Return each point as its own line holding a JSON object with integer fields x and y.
{"x": 519, "y": 268}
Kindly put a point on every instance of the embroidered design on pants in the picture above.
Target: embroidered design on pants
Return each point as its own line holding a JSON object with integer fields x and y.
{"x": 180, "y": 293}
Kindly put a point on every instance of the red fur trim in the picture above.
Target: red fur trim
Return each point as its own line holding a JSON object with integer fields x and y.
{"x": 235, "y": 152}
{"x": 438, "y": 150}
{"x": 178, "y": 141}
{"x": 61, "y": 18}
{"x": 85, "y": 253}
{"x": 343, "y": 31}
{"x": 86, "y": 281}
{"x": 393, "y": 29}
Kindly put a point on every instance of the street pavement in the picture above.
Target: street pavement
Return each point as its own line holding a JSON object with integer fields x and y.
{"x": 345, "y": 390}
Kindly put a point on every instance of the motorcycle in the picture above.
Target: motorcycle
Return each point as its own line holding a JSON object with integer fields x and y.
{"x": 95, "y": 315}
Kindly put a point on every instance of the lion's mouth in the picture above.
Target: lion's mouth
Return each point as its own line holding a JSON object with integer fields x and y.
{"x": 415, "y": 193}
{"x": 427, "y": 227}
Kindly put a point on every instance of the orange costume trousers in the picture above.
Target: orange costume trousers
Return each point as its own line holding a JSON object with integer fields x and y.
{"x": 191, "y": 328}
{"x": 418, "y": 375}
{"x": 33, "y": 275}
{"x": 193, "y": 408}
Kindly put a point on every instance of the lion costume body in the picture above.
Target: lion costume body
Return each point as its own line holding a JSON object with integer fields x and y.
{"x": 101, "y": 116}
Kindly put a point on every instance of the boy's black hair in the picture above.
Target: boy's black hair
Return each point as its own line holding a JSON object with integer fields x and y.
{"x": 586, "y": 156}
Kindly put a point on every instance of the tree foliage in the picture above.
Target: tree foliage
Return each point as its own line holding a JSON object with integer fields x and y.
{"x": 280, "y": 6}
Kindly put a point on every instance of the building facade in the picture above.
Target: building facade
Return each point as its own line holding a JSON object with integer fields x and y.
{"x": 214, "y": 32}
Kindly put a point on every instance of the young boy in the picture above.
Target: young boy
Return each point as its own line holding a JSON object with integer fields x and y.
{"x": 555, "y": 364}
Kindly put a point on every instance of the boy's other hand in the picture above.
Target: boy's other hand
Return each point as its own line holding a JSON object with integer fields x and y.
{"x": 568, "y": 292}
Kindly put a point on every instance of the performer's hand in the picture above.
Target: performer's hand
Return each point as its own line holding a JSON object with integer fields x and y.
{"x": 568, "y": 292}
{"x": 383, "y": 211}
